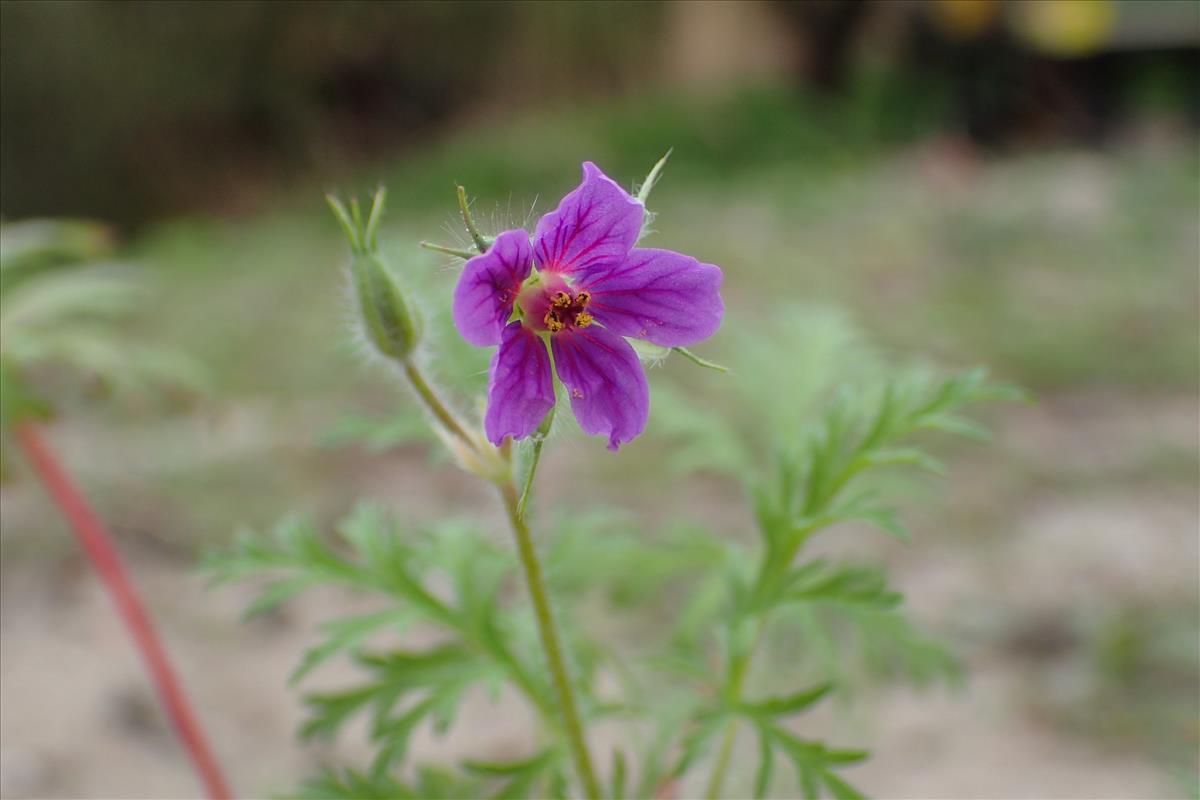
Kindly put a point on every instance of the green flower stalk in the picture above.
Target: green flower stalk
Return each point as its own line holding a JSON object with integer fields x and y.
{"x": 393, "y": 328}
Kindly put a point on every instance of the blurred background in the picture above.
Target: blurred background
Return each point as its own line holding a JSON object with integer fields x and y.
{"x": 960, "y": 182}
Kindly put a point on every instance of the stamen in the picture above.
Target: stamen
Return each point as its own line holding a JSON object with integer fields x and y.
{"x": 553, "y": 322}
{"x": 583, "y": 319}
{"x": 560, "y": 299}
{"x": 582, "y": 299}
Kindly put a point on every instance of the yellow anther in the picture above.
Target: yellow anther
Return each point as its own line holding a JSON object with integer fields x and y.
{"x": 552, "y": 321}
{"x": 582, "y": 299}
{"x": 560, "y": 300}
{"x": 583, "y": 319}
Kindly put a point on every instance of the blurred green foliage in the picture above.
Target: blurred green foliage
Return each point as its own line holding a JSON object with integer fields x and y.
{"x": 62, "y": 310}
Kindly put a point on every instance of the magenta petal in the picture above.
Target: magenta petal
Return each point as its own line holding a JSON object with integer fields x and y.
{"x": 595, "y": 226}
{"x": 608, "y": 389}
{"x": 521, "y": 387}
{"x": 663, "y": 297}
{"x": 484, "y": 297}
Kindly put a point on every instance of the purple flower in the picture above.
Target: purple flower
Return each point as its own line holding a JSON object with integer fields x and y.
{"x": 575, "y": 292}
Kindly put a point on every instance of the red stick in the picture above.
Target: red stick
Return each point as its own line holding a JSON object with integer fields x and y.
{"x": 100, "y": 550}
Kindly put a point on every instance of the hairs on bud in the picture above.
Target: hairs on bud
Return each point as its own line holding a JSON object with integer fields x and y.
{"x": 388, "y": 317}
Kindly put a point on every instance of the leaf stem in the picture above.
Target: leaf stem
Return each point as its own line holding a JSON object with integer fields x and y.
{"x": 533, "y": 465}
{"x": 104, "y": 557}
{"x": 733, "y": 695}
{"x": 771, "y": 566}
{"x": 768, "y": 569}
{"x": 550, "y": 642}
{"x": 723, "y": 757}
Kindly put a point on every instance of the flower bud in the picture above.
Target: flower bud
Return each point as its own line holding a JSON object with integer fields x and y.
{"x": 389, "y": 319}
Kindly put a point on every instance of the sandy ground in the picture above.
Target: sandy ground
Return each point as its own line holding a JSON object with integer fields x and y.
{"x": 79, "y": 721}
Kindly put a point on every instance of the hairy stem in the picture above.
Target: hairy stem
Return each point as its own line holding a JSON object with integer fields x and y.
{"x": 103, "y": 554}
{"x": 429, "y": 397}
{"x": 514, "y": 504}
{"x": 550, "y": 642}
